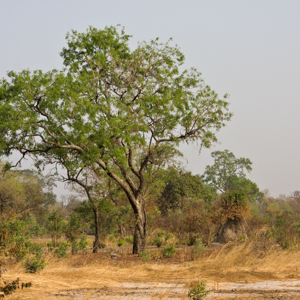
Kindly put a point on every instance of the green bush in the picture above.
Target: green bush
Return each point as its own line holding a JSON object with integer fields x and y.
{"x": 145, "y": 256}
{"x": 161, "y": 233}
{"x": 55, "y": 226}
{"x": 169, "y": 236}
{"x": 61, "y": 250}
{"x": 169, "y": 251}
{"x": 34, "y": 264}
{"x": 82, "y": 245}
{"x": 73, "y": 231}
{"x": 129, "y": 239}
{"x": 121, "y": 243}
{"x": 32, "y": 228}
{"x": 36, "y": 249}
{"x": 50, "y": 247}
{"x": 198, "y": 249}
{"x": 158, "y": 242}
{"x": 198, "y": 292}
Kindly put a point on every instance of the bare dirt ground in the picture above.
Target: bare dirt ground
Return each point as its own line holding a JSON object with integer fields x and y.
{"x": 243, "y": 271}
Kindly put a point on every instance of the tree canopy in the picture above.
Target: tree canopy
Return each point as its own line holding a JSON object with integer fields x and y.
{"x": 180, "y": 185}
{"x": 225, "y": 170}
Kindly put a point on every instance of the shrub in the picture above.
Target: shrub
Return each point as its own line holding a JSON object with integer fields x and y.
{"x": 121, "y": 243}
{"x": 169, "y": 236}
{"x": 157, "y": 241}
{"x": 10, "y": 287}
{"x": 55, "y": 226}
{"x": 24, "y": 246}
{"x": 50, "y": 247}
{"x": 198, "y": 249}
{"x": 198, "y": 292}
{"x": 161, "y": 233}
{"x": 73, "y": 231}
{"x": 34, "y": 264}
{"x": 145, "y": 256}
{"x": 129, "y": 239}
{"x": 83, "y": 243}
{"x": 169, "y": 251}
{"x": 61, "y": 251}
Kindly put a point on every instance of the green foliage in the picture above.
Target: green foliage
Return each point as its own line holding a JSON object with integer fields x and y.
{"x": 111, "y": 217}
{"x": 145, "y": 256}
{"x": 32, "y": 228}
{"x": 255, "y": 210}
{"x": 34, "y": 264}
{"x": 179, "y": 187}
{"x": 129, "y": 239}
{"x": 82, "y": 245}
{"x": 20, "y": 245}
{"x": 74, "y": 231}
{"x": 198, "y": 249}
{"x": 169, "y": 236}
{"x": 161, "y": 233}
{"x": 121, "y": 243}
{"x": 225, "y": 166}
{"x": 158, "y": 242}
{"x": 50, "y": 246}
{"x": 169, "y": 251}
{"x": 7, "y": 238}
{"x": 55, "y": 226}
{"x": 61, "y": 250}
{"x": 13, "y": 286}
{"x": 242, "y": 238}
{"x": 245, "y": 185}
{"x": 198, "y": 292}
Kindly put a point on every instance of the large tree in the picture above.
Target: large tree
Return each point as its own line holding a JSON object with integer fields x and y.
{"x": 111, "y": 109}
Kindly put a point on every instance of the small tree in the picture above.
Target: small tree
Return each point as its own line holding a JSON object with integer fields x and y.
{"x": 55, "y": 226}
{"x": 73, "y": 231}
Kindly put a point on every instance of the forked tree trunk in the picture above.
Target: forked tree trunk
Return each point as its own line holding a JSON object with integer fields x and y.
{"x": 140, "y": 230}
{"x": 136, "y": 201}
{"x": 97, "y": 239}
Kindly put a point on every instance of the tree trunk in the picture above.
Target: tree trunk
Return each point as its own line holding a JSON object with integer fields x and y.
{"x": 97, "y": 239}
{"x": 122, "y": 231}
{"x": 140, "y": 230}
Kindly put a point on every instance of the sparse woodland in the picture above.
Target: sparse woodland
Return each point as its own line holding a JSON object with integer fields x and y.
{"x": 110, "y": 125}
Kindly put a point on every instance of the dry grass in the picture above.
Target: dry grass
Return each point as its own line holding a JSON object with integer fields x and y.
{"x": 245, "y": 262}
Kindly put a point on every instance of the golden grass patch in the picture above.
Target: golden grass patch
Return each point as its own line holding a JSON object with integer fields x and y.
{"x": 244, "y": 262}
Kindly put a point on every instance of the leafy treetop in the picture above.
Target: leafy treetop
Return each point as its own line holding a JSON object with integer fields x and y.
{"x": 225, "y": 168}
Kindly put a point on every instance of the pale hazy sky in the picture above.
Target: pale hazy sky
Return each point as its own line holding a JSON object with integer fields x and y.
{"x": 249, "y": 49}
